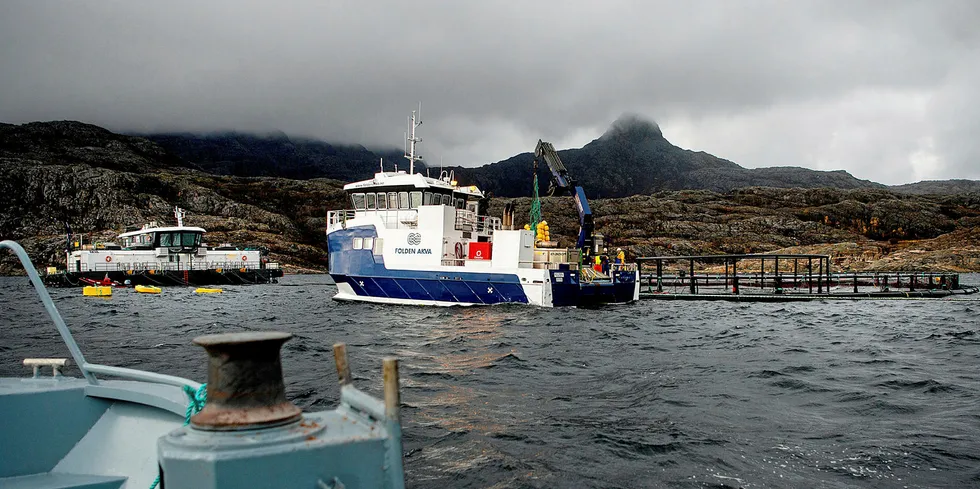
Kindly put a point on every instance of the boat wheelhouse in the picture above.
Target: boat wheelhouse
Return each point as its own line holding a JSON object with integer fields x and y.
{"x": 412, "y": 239}
{"x": 164, "y": 255}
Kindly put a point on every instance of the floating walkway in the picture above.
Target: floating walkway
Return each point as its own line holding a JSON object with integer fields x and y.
{"x": 784, "y": 278}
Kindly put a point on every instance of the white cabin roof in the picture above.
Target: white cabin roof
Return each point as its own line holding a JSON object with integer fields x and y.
{"x": 162, "y": 230}
{"x": 417, "y": 180}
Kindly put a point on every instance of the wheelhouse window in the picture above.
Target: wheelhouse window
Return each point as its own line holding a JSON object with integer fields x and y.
{"x": 357, "y": 244}
{"x": 445, "y": 199}
{"x": 358, "y": 201}
{"x": 378, "y": 245}
{"x": 368, "y": 243}
{"x": 403, "y": 200}
{"x": 382, "y": 201}
{"x": 178, "y": 239}
{"x": 371, "y": 201}
{"x": 190, "y": 240}
{"x": 392, "y": 200}
{"x": 415, "y": 200}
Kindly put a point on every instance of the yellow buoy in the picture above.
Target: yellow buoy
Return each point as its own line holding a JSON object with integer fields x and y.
{"x": 147, "y": 289}
{"x": 97, "y": 291}
{"x": 205, "y": 290}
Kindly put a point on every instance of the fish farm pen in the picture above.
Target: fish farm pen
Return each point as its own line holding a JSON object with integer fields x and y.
{"x": 783, "y": 277}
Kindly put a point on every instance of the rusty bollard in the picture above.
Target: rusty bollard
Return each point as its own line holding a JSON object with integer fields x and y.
{"x": 245, "y": 383}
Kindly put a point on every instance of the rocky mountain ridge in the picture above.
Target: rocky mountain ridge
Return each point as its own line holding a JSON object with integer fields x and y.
{"x": 98, "y": 182}
{"x": 631, "y": 158}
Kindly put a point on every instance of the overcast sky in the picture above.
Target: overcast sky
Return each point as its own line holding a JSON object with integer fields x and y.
{"x": 887, "y": 90}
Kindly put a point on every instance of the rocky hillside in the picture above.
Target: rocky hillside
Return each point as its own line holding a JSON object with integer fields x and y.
{"x": 278, "y": 155}
{"x": 863, "y": 229}
{"x": 634, "y": 158}
{"x": 927, "y": 187}
{"x": 97, "y": 182}
{"x": 631, "y": 158}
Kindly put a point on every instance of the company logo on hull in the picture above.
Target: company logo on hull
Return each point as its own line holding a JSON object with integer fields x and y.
{"x": 414, "y": 239}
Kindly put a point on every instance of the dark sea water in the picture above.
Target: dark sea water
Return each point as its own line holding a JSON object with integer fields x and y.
{"x": 830, "y": 394}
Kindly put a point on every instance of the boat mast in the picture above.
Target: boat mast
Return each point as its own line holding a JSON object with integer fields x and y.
{"x": 411, "y": 140}
{"x": 179, "y": 214}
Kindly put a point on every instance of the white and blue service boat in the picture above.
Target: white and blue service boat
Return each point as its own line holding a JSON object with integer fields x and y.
{"x": 141, "y": 430}
{"x": 412, "y": 239}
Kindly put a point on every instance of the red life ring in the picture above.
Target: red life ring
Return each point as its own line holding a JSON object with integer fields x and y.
{"x": 459, "y": 251}
{"x": 244, "y": 258}
{"x": 108, "y": 259}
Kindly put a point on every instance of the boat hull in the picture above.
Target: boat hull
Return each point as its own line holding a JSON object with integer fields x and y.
{"x": 168, "y": 277}
{"x": 365, "y": 275}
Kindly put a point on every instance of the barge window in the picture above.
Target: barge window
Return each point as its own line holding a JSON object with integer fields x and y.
{"x": 357, "y": 244}
{"x": 370, "y": 201}
{"x": 382, "y": 200}
{"x": 392, "y": 200}
{"x": 368, "y": 243}
{"x": 190, "y": 239}
{"x": 416, "y": 200}
{"x": 358, "y": 201}
{"x": 403, "y": 200}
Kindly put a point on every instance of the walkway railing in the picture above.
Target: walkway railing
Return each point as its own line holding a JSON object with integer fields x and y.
{"x": 171, "y": 266}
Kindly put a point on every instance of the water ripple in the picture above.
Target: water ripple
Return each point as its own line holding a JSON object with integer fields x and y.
{"x": 655, "y": 394}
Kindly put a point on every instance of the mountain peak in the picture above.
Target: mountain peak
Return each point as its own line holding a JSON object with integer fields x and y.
{"x": 634, "y": 128}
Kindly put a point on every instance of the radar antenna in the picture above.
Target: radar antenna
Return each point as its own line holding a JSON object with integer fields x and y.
{"x": 411, "y": 140}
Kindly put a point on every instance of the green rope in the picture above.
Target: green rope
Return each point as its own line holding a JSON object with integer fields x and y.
{"x": 535, "y": 206}
{"x": 196, "y": 401}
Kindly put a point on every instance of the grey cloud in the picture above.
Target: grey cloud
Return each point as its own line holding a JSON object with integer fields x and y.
{"x": 495, "y": 76}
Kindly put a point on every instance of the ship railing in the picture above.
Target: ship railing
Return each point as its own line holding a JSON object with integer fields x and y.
{"x": 341, "y": 216}
{"x": 467, "y": 220}
{"x": 88, "y": 369}
{"x": 461, "y": 262}
{"x": 622, "y": 267}
{"x": 546, "y": 265}
{"x": 397, "y": 218}
{"x": 391, "y": 218}
{"x": 487, "y": 224}
{"x": 171, "y": 266}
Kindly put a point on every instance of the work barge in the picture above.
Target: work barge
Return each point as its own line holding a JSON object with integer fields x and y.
{"x": 781, "y": 277}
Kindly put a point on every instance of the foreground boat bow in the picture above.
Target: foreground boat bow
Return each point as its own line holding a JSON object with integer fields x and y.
{"x": 90, "y": 432}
